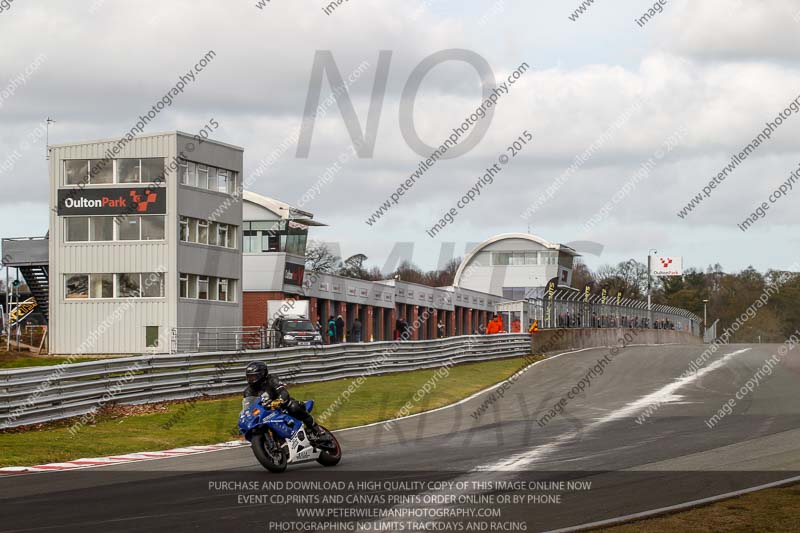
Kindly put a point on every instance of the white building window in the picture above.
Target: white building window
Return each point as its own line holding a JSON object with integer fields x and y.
{"x": 129, "y": 285}
{"x": 153, "y": 228}
{"x": 76, "y": 286}
{"x": 202, "y": 287}
{"x": 192, "y": 177}
{"x": 202, "y": 231}
{"x": 152, "y": 170}
{"x": 184, "y": 229}
{"x": 101, "y": 171}
{"x": 101, "y": 286}
{"x": 213, "y": 287}
{"x": 222, "y": 235}
{"x": 192, "y": 286}
{"x": 76, "y": 229}
{"x": 192, "y": 230}
{"x": 223, "y": 184}
{"x": 128, "y": 229}
{"x": 222, "y": 290}
{"x": 76, "y": 171}
{"x": 153, "y": 285}
{"x": 183, "y": 172}
{"x": 207, "y": 177}
{"x": 183, "y": 286}
{"x": 202, "y": 176}
{"x": 101, "y": 229}
{"x": 209, "y": 288}
{"x": 213, "y": 234}
{"x": 129, "y": 171}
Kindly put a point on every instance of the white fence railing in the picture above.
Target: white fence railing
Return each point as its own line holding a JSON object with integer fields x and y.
{"x": 42, "y": 394}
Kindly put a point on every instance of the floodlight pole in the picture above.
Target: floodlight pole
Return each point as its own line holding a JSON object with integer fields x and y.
{"x": 8, "y": 315}
{"x": 650, "y": 253}
{"x": 47, "y": 138}
{"x": 16, "y": 301}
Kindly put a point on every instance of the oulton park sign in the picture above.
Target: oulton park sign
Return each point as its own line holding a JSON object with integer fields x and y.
{"x": 112, "y": 201}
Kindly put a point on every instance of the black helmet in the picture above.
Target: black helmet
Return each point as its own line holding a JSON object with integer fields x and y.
{"x": 256, "y": 373}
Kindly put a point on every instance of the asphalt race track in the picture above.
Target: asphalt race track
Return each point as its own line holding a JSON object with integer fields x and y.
{"x": 447, "y": 470}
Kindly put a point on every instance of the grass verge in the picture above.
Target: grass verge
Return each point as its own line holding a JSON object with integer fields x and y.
{"x": 212, "y": 421}
{"x": 22, "y": 360}
{"x": 765, "y": 511}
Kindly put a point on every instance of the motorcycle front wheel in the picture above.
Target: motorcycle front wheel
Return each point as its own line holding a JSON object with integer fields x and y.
{"x": 274, "y": 460}
{"x": 330, "y": 455}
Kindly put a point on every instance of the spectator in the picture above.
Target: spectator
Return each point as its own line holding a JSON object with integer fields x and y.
{"x": 440, "y": 327}
{"x": 405, "y": 330}
{"x": 481, "y": 329}
{"x": 398, "y": 329}
{"x": 355, "y": 331}
{"x": 331, "y": 331}
{"x": 318, "y": 327}
{"x": 339, "y": 329}
{"x": 493, "y": 327}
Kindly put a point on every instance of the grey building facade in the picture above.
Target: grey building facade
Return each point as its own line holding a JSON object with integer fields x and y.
{"x": 145, "y": 239}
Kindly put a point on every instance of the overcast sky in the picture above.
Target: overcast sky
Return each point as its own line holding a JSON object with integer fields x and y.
{"x": 693, "y": 86}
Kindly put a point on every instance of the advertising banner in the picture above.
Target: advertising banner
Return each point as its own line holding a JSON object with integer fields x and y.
{"x": 21, "y": 311}
{"x": 112, "y": 201}
{"x": 666, "y": 265}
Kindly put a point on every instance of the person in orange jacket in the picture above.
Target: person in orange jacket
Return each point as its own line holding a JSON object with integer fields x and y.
{"x": 492, "y": 327}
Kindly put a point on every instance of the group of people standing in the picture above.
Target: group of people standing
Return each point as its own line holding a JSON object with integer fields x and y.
{"x": 402, "y": 331}
{"x": 334, "y": 333}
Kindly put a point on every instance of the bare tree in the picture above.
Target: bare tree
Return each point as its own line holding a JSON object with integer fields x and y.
{"x": 319, "y": 258}
{"x": 581, "y": 275}
{"x": 353, "y": 267}
{"x": 628, "y": 277}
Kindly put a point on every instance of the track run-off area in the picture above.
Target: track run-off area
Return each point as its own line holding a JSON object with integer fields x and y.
{"x": 565, "y": 444}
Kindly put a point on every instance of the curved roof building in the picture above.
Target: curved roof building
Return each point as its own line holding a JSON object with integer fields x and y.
{"x": 515, "y": 266}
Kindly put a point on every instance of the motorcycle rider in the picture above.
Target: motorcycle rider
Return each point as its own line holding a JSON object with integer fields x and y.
{"x": 261, "y": 383}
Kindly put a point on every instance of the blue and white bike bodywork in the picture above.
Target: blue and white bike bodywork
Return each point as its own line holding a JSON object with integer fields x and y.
{"x": 278, "y": 439}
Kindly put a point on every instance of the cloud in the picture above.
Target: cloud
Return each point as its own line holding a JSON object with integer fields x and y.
{"x": 735, "y": 30}
{"x": 720, "y": 73}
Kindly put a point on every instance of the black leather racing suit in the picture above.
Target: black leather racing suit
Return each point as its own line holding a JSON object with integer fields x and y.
{"x": 276, "y": 390}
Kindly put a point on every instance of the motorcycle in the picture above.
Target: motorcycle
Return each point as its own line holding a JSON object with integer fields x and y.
{"x": 279, "y": 440}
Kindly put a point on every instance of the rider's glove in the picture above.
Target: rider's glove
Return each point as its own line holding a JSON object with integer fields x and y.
{"x": 275, "y": 404}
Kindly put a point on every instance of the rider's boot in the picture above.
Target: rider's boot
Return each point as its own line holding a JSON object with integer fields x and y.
{"x": 314, "y": 432}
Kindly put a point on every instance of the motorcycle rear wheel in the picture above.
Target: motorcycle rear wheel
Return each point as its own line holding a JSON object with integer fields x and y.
{"x": 330, "y": 458}
{"x": 259, "y": 445}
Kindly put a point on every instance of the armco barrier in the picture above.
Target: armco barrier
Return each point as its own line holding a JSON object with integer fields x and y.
{"x": 550, "y": 340}
{"x": 42, "y": 394}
